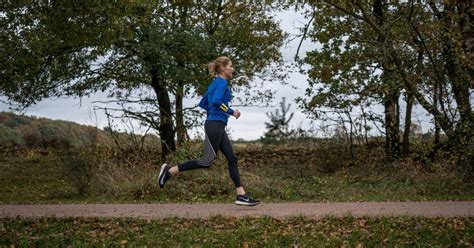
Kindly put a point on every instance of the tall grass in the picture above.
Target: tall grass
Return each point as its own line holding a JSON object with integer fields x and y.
{"x": 313, "y": 170}
{"x": 105, "y": 171}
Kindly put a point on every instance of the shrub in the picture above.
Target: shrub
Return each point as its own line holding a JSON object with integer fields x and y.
{"x": 78, "y": 170}
{"x": 31, "y": 135}
{"x": 53, "y": 136}
{"x": 13, "y": 121}
{"x": 329, "y": 155}
{"x": 100, "y": 170}
{"x": 9, "y": 137}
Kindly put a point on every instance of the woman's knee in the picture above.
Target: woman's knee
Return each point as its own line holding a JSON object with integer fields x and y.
{"x": 207, "y": 161}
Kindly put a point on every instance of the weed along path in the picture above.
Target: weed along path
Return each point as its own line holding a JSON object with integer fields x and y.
{"x": 276, "y": 210}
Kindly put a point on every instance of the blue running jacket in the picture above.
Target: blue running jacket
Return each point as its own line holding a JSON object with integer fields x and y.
{"x": 216, "y": 101}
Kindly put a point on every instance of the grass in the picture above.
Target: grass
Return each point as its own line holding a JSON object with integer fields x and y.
{"x": 243, "y": 232}
{"x": 31, "y": 179}
{"x": 270, "y": 173}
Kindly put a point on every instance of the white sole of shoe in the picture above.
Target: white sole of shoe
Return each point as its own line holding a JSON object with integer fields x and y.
{"x": 162, "y": 170}
{"x": 242, "y": 203}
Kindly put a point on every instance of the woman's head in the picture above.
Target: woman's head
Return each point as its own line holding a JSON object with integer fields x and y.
{"x": 222, "y": 67}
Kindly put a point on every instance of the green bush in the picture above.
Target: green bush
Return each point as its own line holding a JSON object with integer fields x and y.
{"x": 102, "y": 171}
{"x": 332, "y": 155}
{"x": 54, "y": 136}
{"x": 10, "y": 137}
{"x": 31, "y": 135}
{"x": 13, "y": 121}
{"x": 78, "y": 171}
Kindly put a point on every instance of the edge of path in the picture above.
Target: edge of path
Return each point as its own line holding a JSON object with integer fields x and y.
{"x": 275, "y": 210}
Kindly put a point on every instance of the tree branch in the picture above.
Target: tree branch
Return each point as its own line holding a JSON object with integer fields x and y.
{"x": 305, "y": 31}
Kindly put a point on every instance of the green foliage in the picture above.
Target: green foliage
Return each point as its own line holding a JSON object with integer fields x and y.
{"x": 382, "y": 48}
{"x": 135, "y": 49}
{"x": 121, "y": 47}
{"x": 78, "y": 170}
{"x": 14, "y": 121}
{"x": 342, "y": 71}
{"x": 9, "y": 137}
{"x": 46, "y": 46}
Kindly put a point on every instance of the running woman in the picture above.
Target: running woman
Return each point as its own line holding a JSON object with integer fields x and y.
{"x": 216, "y": 102}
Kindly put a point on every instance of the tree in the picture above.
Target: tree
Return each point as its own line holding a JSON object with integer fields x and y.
{"x": 75, "y": 49}
{"x": 359, "y": 48}
{"x": 349, "y": 71}
{"x": 278, "y": 127}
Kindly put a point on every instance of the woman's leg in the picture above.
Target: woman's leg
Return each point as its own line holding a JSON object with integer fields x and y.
{"x": 204, "y": 162}
{"x": 211, "y": 139}
{"x": 228, "y": 151}
{"x": 214, "y": 132}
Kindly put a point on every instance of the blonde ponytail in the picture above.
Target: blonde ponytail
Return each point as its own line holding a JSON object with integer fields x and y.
{"x": 215, "y": 65}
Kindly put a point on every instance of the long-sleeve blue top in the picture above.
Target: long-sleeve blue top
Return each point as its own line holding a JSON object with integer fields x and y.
{"x": 216, "y": 101}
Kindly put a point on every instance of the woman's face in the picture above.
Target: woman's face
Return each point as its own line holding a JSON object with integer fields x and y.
{"x": 226, "y": 71}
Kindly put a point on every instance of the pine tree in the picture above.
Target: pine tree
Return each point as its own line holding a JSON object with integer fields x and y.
{"x": 278, "y": 127}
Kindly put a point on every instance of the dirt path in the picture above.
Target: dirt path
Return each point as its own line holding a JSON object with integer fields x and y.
{"x": 277, "y": 210}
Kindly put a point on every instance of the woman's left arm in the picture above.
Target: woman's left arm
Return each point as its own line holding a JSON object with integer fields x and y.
{"x": 216, "y": 100}
{"x": 204, "y": 103}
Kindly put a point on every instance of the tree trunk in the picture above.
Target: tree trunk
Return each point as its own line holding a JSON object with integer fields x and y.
{"x": 366, "y": 136}
{"x": 406, "y": 133}
{"x": 391, "y": 95}
{"x": 459, "y": 71}
{"x": 443, "y": 121}
{"x": 351, "y": 133}
{"x": 436, "y": 99}
{"x": 466, "y": 14}
{"x": 392, "y": 123}
{"x": 166, "y": 119}
{"x": 180, "y": 128}
{"x": 460, "y": 81}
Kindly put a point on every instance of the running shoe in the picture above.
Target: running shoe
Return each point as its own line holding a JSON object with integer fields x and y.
{"x": 164, "y": 175}
{"x": 245, "y": 200}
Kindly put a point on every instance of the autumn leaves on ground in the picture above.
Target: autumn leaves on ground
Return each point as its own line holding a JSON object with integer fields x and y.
{"x": 246, "y": 232}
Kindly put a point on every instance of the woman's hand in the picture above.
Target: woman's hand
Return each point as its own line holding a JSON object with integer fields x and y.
{"x": 236, "y": 113}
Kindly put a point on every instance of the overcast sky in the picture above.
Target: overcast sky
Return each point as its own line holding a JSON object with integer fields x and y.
{"x": 251, "y": 124}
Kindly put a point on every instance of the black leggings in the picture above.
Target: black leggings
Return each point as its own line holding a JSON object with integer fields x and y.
{"x": 216, "y": 139}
